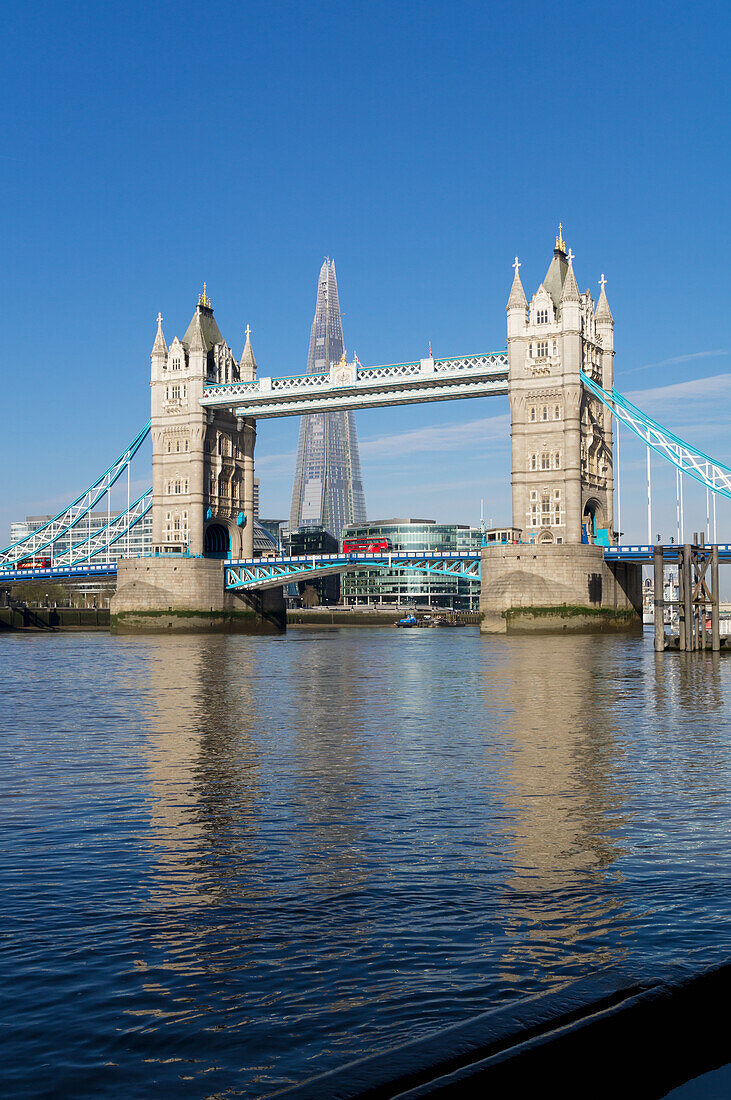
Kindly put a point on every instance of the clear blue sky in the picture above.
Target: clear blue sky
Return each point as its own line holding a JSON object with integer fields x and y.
{"x": 148, "y": 147}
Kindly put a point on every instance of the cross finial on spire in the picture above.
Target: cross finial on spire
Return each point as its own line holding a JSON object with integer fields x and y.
{"x": 559, "y": 239}
{"x": 602, "y": 282}
{"x": 159, "y": 320}
{"x": 517, "y": 264}
{"x": 203, "y": 299}
{"x": 570, "y": 256}
{"x": 248, "y": 331}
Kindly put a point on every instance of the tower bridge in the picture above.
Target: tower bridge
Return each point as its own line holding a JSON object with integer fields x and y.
{"x": 558, "y": 373}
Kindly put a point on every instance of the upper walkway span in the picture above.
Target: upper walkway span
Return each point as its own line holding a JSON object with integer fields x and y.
{"x": 352, "y": 386}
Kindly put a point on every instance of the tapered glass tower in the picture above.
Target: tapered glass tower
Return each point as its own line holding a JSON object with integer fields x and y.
{"x": 328, "y": 487}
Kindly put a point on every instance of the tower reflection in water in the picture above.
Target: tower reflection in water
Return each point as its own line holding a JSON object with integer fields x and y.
{"x": 564, "y": 799}
{"x": 203, "y": 766}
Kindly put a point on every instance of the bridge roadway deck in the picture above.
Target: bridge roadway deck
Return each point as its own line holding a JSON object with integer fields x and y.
{"x": 272, "y": 572}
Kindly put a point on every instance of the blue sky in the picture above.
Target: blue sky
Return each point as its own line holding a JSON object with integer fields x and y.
{"x": 149, "y": 147}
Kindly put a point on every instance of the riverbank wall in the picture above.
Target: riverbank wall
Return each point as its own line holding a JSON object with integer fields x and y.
{"x": 52, "y": 619}
{"x": 353, "y": 616}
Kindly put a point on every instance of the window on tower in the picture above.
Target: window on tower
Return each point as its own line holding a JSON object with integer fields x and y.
{"x": 542, "y": 349}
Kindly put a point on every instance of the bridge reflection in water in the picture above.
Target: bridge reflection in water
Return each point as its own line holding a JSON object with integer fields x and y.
{"x": 375, "y": 834}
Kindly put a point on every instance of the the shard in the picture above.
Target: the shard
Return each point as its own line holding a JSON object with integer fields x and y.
{"x": 328, "y": 487}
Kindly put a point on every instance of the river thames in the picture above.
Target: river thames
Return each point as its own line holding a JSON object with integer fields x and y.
{"x": 229, "y": 863}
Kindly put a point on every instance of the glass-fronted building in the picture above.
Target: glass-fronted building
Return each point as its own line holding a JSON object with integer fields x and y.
{"x": 401, "y": 587}
{"x": 328, "y": 485}
{"x": 136, "y": 542}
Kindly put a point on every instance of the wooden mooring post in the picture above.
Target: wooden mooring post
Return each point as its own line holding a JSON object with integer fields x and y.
{"x": 697, "y": 592}
{"x": 659, "y": 597}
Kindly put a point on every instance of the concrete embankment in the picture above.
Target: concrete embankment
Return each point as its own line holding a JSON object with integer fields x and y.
{"x": 52, "y": 619}
{"x": 353, "y": 616}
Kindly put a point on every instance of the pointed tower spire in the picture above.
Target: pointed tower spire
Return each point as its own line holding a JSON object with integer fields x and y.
{"x": 603, "y": 312}
{"x": 159, "y": 347}
{"x": 517, "y": 298}
{"x": 247, "y": 364}
{"x": 194, "y": 339}
{"x": 570, "y": 291}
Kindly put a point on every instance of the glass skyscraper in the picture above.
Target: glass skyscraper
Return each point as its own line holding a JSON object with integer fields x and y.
{"x": 328, "y": 486}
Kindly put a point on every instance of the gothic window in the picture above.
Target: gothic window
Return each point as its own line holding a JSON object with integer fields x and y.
{"x": 533, "y": 414}
{"x": 542, "y": 349}
{"x": 176, "y": 485}
{"x": 185, "y": 390}
{"x": 542, "y": 317}
{"x": 534, "y": 462}
{"x": 545, "y": 461}
{"x": 544, "y": 413}
{"x": 557, "y": 461}
{"x": 556, "y": 412}
{"x": 533, "y": 494}
{"x": 185, "y": 448}
{"x": 170, "y": 446}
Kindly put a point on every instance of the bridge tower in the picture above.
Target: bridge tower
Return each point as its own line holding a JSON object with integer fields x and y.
{"x": 556, "y": 578}
{"x": 562, "y": 468}
{"x": 202, "y": 459}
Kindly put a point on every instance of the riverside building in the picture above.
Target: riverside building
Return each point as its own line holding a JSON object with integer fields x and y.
{"x": 397, "y": 587}
{"x": 137, "y": 542}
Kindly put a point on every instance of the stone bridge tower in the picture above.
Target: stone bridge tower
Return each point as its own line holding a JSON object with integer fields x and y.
{"x": 202, "y": 460}
{"x": 562, "y": 468}
{"x": 556, "y": 579}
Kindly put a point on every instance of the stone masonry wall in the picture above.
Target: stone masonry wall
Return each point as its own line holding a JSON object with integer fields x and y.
{"x": 574, "y": 578}
{"x": 162, "y": 594}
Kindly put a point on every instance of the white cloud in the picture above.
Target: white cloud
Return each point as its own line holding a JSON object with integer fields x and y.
{"x": 436, "y": 437}
{"x": 679, "y": 359}
{"x": 276, "y": 465}
{"x": 716, "y": 387}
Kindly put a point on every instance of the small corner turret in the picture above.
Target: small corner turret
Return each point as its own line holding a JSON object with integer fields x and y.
{"x": 247, "y": 363}
{"x": 159, "y": 353}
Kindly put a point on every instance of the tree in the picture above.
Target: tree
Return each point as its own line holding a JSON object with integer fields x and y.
{"x": 35, "y": 593}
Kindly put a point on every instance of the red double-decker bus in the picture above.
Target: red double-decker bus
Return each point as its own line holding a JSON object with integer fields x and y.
{"x": 366, "y": 546}
{"x": 33, "y": 563}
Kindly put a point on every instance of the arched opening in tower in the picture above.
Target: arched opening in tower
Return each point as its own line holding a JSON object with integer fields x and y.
{"x": 217, "y": 541}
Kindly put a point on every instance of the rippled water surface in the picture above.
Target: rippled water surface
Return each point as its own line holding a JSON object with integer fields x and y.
{"x": 229, "y": 863}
